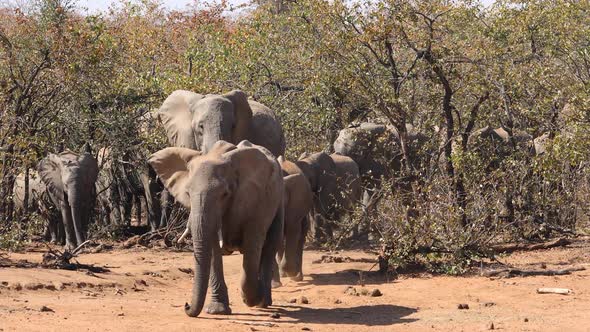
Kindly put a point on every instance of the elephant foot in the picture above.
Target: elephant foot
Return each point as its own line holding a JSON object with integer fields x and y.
{"x": 218, "y": 308}
{"x": 298, "y": 277}
{"x": 275, "y": 284}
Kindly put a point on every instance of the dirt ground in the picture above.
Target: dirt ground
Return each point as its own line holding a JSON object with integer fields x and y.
{"x": 147, "y": 288}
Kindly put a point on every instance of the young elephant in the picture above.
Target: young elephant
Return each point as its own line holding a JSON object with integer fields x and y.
{"x": 298, "y": 204}
{"x": 70, "y": 179}
{"x": 236, "y": 192}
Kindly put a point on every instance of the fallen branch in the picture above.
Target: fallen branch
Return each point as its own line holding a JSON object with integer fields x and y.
{"x": 253, "y": 323}
{"x": 510, "y": 272}
{"x": 512, "y": 247}
{"x": 562, "y": 291}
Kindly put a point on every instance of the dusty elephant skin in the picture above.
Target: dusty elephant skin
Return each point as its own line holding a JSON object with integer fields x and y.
{"x": 236, "y": 192}
{"x": 298, "y": 203}
{"x": 196, "y": 121}
{"x": 70, "y": 179}
{"x": 335, "y": 182}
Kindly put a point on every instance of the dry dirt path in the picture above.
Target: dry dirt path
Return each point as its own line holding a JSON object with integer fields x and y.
{"x": 146, "y": 291}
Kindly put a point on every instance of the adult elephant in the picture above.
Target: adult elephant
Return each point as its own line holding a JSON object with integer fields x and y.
{"x": 70, "y": 179}
{"x": 376, "y": 149}
{"x": 196, "y": 121}
{"x": 335, "y": 182}
{"x": 235, "y": 191}
{"x": 298, "y": 203}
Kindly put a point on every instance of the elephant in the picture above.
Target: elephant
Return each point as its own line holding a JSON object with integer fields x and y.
{"x": 335, "y": 182}
{"x": 376, "y": 149}
{"x": 70, "y": 179}
{"x": 196, "y": 121}
{"x": 298, "y": 204}
{"x": 234, "y": 193}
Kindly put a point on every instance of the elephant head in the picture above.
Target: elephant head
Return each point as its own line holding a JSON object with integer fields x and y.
{"x": 219, "y": 187}
{"x": 198, "y": 121}
{"x": 70, "y": 179}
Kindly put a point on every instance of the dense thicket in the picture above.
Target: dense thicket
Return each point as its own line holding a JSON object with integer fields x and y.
{"x": 446, "y": 67}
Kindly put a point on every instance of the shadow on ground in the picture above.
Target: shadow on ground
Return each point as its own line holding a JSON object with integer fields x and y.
{"x": 368, "y": 315}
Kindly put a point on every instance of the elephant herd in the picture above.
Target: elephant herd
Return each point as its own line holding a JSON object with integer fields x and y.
{"x": 225, "y": 164}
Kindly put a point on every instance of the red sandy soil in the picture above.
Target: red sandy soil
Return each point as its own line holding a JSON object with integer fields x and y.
{"x": 145, "y": 290}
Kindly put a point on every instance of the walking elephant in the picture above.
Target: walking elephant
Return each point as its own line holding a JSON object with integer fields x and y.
{"x": 196, "y": 121}
{"x": 70, "y": 179}
{"x": 235, "y": 192}
{"x": 298, "y": 204}
{"x": 335, "y": 182}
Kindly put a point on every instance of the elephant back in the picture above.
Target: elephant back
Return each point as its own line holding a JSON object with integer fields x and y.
{"x": 266, "y": 129}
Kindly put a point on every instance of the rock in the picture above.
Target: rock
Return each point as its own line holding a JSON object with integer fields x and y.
{"x": 364, "y": 292}
{"x": 186, "y": 270}
{"x": 491, "y": 326}
{"x": 350, "y": 291}
{"x": 303, "y": 300}
{"x": 463, "y": 306}
{"x": 17, "y": 286}
{"x": 46, "y": 309}
{"x": 293, "y": 300}
{"x": 81, "y": 284}
{"x": 59, "y": 286}
{"x": 376, "y": 293}
{"x": 305, "y": 329}
{"x": 526, "y": 320}
{"x": 275, "y": 315}
{"x": 489, "y": 304}
{"x": 337, "y": 302}
{"x": 33, "y": 286}
{"x": 50, "y": 287}
{"x": 141, "y": 282}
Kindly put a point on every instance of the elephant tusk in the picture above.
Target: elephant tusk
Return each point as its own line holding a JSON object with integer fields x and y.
{"x": 186, "y": 231}
{"x": 220, "y": 236}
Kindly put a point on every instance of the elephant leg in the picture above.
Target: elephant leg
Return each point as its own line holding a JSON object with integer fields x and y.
{"x": 166, "y": 202}
{"x": 52, "y": 230}
{"x": 219, "y": 298}
{"x": 276, "y": 275}
{"x": 78, "y": 220}
{"x": 301, "y": 244}
{"x": 288, "y": 247}
{"x": 251, "y": 268}
{"x": 274, "y": 237}
{"x": 137, "y": 203}
{"x": 66, "y": 217}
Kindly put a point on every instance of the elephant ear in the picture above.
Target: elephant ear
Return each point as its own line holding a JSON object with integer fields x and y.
{"x": 49, "y": 169}
{"x": 171, "y": 165}
{"x": 221, "y": 147}
{"x": 176, "y": 115}
{"x": 242, "y": 114}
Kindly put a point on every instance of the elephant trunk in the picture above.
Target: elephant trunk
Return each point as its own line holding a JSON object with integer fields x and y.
{"x": 202, "y": 253}
{"x": 76, "y": 201}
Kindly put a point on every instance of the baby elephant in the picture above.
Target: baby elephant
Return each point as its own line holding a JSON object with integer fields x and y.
{"x": 235, "y": 191}
{"x": 298, "y": 204}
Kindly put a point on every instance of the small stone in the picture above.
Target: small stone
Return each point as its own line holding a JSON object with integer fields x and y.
{"x": 491, "y": 326}
{"x": 17, "y": 286}
{"x": 59, "y": 285}
{"x": 376, "y": 293}
{"x": 81, "y": 284}
{"x": 463, "y": 306}
{"x": 489, "y": 304}
{"x": 305, "y": 329}
{"x": 275, "y": 315}
{"x": 141, "y": 282}
{"x": 50, "y": 287}
{"x": 337, "y": 302}
{"x": 121, "y": 314}
{"x": 303, "y": 300}
{"x": 350, "y": 291}
{"x": 364, "y": 292}
{"x": 526, "y": 320}
{"x": 293, "y": 300}
{"x": 45, "y": 309}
